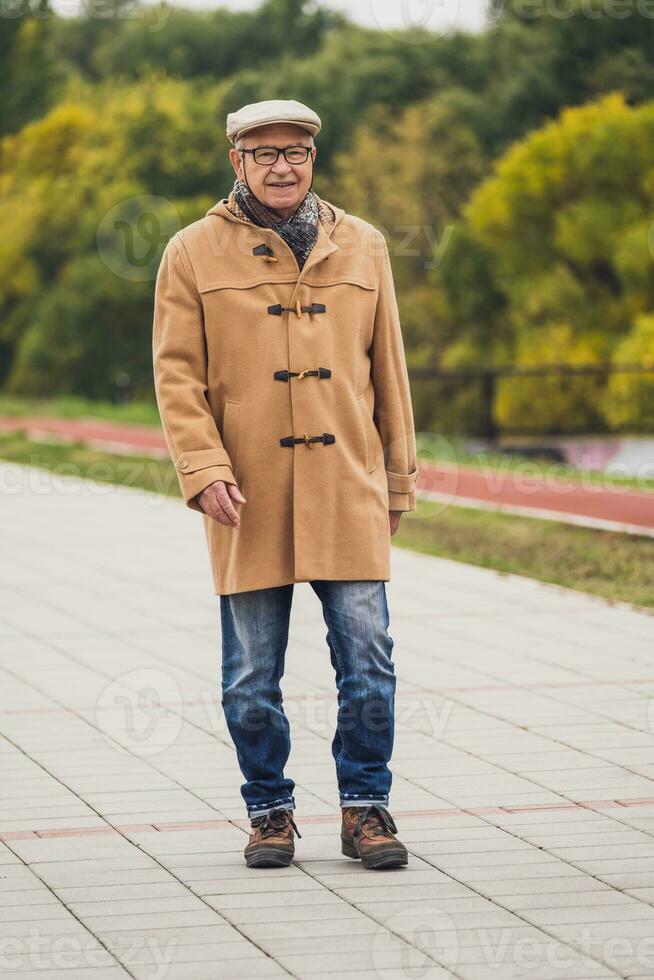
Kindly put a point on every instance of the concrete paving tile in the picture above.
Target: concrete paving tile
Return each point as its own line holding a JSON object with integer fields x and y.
{"x": 63, "y": 878}
{"x": 384, "y": 956}
{"x": 604, "y": 932}
{"x": 63, "y": 925}
{"x": 566, "y": 900}
{"x": 197, "y": 878}
{"x": 153, "y": 952}
{"x": 248, "y": 969}
{"x": 547, "y": 720}
{"x": 362, "y": 878}
{"x": 75, "y": 894}
{"x": 19, "y": 896}
{"x": 135, "y": 937}
{"x": 231, "y": 857}
{"x": 83, "y": 973}
{"x": 587, "y": 838}
{"x": 281, "y": 887}
{"x": 611, "y": 866}
{"x": 433, "y": 972}
{"x": 513, "y": 858}
{"x": 145, "y": 920}
{"x": 642, "y": 894}
{"x": 633, "y": 912}
{"x": 63, "y": 872}
{"x": 292, "y": 914}
{"x": 573, "y": 971}
{"x": 182, "y": 902}
{"x": 515, "y": 872}
{"x": 302, "y": 899}
{"x": 11, "y": 884}
{"x": 319, "y": 945}
{"x": 34, "y": 913}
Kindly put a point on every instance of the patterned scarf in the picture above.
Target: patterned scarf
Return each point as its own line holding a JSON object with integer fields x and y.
{"x": 299, "y": 231}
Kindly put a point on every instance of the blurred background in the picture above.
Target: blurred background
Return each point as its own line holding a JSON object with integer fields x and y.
{"x": 506, "y": 150}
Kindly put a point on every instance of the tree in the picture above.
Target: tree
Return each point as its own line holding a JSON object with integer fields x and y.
{"x": 95, "y": 179}
{"x": 32, "y": 75}
{"x": 564, "y": 215}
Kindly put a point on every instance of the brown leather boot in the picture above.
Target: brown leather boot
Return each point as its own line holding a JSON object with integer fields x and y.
{"x": 271, "y": 841}
{"x": 368, "y": 833}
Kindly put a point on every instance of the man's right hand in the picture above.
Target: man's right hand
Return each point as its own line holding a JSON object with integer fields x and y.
{"x": 216, "y": 501}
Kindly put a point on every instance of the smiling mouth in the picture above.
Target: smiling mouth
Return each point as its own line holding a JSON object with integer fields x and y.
{"x": 283, "y": 186}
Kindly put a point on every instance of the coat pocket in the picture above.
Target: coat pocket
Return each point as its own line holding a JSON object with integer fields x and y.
{"x": 230, "y": 430}
{"x": 372, "y": 439}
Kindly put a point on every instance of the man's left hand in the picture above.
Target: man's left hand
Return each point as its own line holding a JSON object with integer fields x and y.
{"x": 394, "y": 517}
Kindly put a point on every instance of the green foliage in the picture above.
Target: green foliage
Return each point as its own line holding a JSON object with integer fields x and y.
{"x": 565, "y": 215}
{"x": 61, "y": 177}
{"x": 619, "y": 567}
{"x": 543, "y": 56}
{"x": 410, "y": 174}
{"x": 629, "y": 398}
{"x": 32, "y": 73}
{"x": 512, "y": 173}
{"x": 216, "y": 43}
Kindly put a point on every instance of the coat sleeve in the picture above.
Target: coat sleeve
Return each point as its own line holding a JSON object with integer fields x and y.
{"x": 393, "y": 412}
{"x": 180, "y": 379}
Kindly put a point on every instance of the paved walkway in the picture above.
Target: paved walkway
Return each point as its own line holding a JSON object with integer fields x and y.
{"x": 523, "y": 769}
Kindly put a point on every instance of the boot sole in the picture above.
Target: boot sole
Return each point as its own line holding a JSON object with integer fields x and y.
{"x": 270, "y": 858}
{"x": 389, "y": 858}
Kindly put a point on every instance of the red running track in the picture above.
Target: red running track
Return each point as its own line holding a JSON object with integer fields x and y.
{"x": 595, "y": 501}
{"x": 490, "y": 486}
{"x": 95, "y": 432}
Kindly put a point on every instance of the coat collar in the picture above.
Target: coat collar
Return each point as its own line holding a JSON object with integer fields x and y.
{"x": 324, "y": 244}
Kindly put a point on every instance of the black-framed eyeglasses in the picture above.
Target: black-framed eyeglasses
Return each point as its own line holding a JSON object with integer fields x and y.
{"x": 268, "y": 155}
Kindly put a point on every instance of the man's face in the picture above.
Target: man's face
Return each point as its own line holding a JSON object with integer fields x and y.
{"x": 282, "y": 185}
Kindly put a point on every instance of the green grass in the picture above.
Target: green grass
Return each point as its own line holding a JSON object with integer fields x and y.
{"x": 76, "y": 459}
{"x": 603, "y": 563}
{"x": 141, "y": 413}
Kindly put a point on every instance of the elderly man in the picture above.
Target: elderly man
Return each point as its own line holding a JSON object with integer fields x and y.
{"x": 283, "y": 392}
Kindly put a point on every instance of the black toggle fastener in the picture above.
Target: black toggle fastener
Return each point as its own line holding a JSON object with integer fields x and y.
{"x": 264, "y": 250}
{"x": 327, "y": 438}
{"x": 278, "y": 309}
{"x": 287, "y": 375}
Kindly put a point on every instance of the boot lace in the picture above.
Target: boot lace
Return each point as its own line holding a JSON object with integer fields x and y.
{"x": 376, "y": 820}
{"x": 274, "y": 821}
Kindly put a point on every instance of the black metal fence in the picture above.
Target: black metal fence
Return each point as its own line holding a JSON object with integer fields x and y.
{"x": 541, "y": 400}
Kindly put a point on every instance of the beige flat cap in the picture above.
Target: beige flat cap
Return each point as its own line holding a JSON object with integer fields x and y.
{"x": 271, "y": 111}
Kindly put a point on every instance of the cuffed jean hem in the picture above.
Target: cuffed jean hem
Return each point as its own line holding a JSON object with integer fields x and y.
{"x": 352, "y": 799}
{"x": 260, "y": 809}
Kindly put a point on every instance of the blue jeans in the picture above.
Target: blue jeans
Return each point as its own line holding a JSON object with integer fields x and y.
{"x": 254, "y": 639}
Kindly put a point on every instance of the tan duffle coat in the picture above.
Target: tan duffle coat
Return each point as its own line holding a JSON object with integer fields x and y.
{"x": 236, "y": 323}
